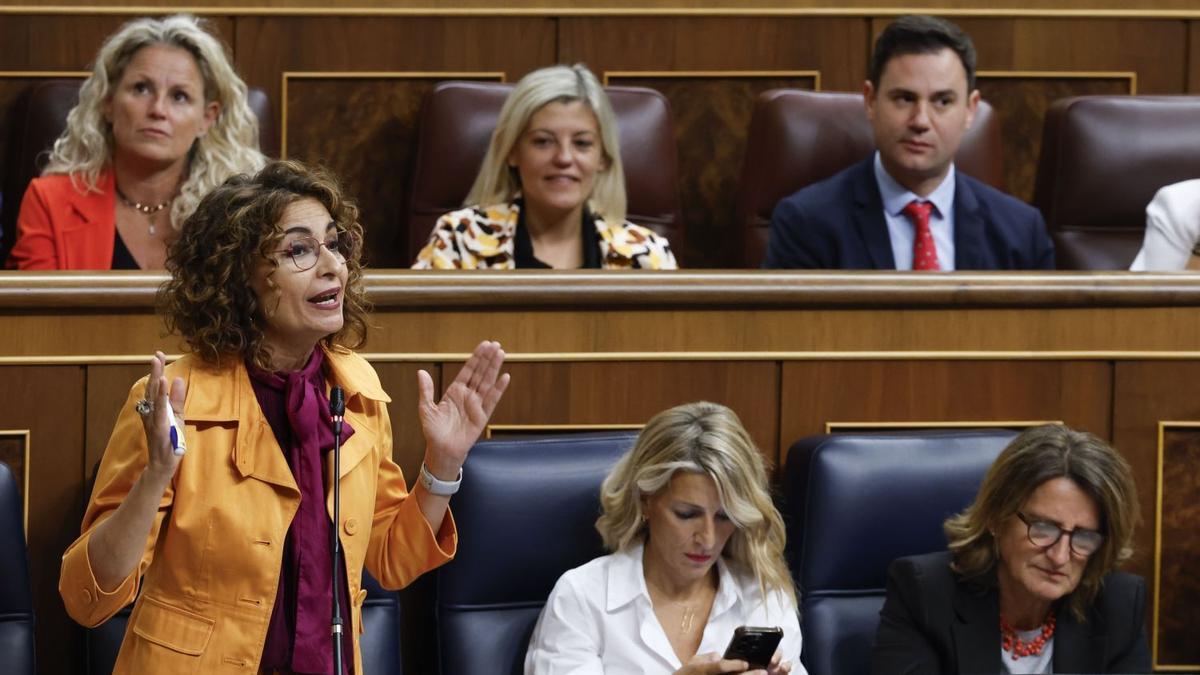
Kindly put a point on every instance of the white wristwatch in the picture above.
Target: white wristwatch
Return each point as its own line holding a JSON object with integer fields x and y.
{"x": 441, "y": 488}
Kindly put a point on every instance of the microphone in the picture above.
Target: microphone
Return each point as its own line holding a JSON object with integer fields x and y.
{"x": 337, "y": 409}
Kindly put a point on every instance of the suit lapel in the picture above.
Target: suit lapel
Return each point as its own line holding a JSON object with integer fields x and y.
{"x": 977, "y": 629}
{"x": 969, "y": 245}
{"x": 1075, "y": 651}
{"x": 869, "y": 220}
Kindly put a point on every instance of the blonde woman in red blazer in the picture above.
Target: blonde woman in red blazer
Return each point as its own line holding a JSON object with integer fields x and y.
{"x": 161, "y": 121}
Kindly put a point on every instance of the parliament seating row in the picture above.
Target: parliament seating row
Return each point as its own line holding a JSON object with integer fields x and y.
{"x": 1102, "y": 159}
{"x": 852, "y": 503}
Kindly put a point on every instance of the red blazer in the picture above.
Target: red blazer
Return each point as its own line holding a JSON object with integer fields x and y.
{"x": 60, "y": 228}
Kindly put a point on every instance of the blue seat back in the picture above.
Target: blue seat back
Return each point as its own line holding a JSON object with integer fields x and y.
{"x": 525, "y": 514}
{"x": 854, "y": 503}
{"x": 16, "y": 601}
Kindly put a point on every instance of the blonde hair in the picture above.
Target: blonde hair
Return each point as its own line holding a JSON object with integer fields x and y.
{"x": 1036, "y": 456}
{"x": 707, "y": 439}
{"x": 86, "y": 146}
{"x": 499, "y": 183}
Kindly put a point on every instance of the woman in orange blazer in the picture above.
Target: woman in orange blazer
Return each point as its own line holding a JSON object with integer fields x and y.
{"x": 229, "y": 542}
{"x": 162, "y": 120}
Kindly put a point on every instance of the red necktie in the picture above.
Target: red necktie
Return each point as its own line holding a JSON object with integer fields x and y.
{"x": 924, "y": 250}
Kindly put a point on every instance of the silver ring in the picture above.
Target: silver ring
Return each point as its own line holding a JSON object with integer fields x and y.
{"x": 143, "y": 407}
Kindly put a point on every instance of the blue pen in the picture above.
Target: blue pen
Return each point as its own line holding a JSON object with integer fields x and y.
{"x": 177, "y": 442}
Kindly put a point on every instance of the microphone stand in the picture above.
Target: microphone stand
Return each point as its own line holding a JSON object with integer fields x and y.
{"x": 337, "y": 409}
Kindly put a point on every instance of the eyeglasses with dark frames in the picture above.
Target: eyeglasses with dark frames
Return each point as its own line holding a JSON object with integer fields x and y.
{"x": 1045, "y": 534}
{"x": 305, "y": 251}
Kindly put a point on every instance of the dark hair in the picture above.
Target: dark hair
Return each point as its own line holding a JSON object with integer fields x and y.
{"x": 209, "y": 301}
{"x": 921, "y": 34}
{"x": 1040, "y": 454}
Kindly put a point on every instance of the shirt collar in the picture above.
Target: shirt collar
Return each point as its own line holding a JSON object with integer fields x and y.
{"x": 627, "y": 582}
{"x": 896, "y": 196}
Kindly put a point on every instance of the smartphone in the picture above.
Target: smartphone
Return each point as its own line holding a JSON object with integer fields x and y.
{"x": 754, "y": 644}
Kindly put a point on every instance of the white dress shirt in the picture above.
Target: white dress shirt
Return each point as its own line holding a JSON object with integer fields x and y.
{"x": 901, "y": 230}
{"x": 599, "y": 619}
{"x": 1172, "y": 228}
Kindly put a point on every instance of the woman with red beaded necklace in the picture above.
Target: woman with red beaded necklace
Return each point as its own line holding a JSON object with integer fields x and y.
{"x": 1029, "y": 584}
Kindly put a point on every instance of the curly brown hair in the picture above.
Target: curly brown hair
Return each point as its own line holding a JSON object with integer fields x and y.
{"x": 208, "y": 299}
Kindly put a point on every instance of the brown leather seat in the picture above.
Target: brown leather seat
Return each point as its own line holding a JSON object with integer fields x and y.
{"x": 455, "y": 127}
{"x": 39, "y": 115}
{"x": 1103, "y": 158}
{"x": 799, "y": 137}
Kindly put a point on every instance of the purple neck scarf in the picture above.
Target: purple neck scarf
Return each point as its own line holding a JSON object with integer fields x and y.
{"x": 298, "y": 638}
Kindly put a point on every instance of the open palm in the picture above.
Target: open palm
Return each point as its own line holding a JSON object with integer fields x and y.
{"x": 451, "y": 426}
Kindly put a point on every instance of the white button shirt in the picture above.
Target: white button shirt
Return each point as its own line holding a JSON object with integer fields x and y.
{"x": 599, "y": 619}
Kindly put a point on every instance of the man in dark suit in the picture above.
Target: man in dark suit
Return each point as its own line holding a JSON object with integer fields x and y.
{"x": 906, "y": 207}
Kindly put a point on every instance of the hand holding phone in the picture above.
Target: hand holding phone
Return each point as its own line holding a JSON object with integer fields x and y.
{"x": 754, "y": 644}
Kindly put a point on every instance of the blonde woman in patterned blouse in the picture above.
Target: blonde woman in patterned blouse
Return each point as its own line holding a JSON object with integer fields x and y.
{"x": 551, "y": 192}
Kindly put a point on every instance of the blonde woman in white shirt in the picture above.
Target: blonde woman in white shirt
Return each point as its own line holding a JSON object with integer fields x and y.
{"x": 697, "y": 550}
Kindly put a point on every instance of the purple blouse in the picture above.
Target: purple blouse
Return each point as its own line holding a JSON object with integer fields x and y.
{"x": 298, "y": 639}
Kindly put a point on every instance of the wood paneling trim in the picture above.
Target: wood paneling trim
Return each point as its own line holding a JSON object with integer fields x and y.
{"x": 698, "y": 74}
{"x": 849, "y": 427}
{"x": 666, "y": 356}
{"x": 490, "y": 430}
{"x": 541, "y": 11}
{"x": 1063, "y": 74}
{"x": 648, "y": 290}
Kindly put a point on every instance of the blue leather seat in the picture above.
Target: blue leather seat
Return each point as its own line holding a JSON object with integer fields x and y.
{"x": 525, "y": 514}
{"x": 854, "y": 503}
{"x": 380, "y": 642}
{"x": 16, "y": 601}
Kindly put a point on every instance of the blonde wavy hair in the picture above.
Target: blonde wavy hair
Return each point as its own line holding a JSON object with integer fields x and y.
{"x": 707, "y": 439}
{"x": 86, "y": 146}
{"x": 497, "y": 182}
{"x": 1037, "y": 455}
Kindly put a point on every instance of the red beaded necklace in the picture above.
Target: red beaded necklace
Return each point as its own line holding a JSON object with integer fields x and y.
{"x": 1013, "y": 643}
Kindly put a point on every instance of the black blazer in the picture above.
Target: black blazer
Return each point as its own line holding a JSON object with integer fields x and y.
{"x": 838, "y": 223}
{"x": 932, "y": 622}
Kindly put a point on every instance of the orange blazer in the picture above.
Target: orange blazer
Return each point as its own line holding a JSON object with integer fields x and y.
{"x": 211, "y": 566}
{"x": 61, "y": 228}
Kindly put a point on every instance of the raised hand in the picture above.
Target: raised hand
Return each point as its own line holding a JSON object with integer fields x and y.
{"x": 452, "y": 425}
{"x": 163, "y": 402}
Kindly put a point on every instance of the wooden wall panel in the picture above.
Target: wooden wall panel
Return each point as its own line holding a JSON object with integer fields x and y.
{"x": 1193, "y": 57}
{"x": 49, "y": 402}
{"x": 377, "y": 118}
{"x": 1146, "y": 394}
{"x": 1178, "y": 595}
{"x": 1155, "y": 50}
{"x": 834, "y": 46}
{"x": 712, "y": 118}
{"x": 107, "y": 389}
{"x": 399, "y": 380}
{"x": 1021, "y": 101}
{"x": 632, "y": 392}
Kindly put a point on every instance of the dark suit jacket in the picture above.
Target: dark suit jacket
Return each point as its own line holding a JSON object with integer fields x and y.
{"x": 838, "y": 223}
{"x": 932, "y": 622}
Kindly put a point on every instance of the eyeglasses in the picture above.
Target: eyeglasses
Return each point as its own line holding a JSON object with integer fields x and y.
{"x": 1045, "y": 534}
{"x": 305, "y": 251}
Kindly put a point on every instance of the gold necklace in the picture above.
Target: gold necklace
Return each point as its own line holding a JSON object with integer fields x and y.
{"x": 145, "y": 209}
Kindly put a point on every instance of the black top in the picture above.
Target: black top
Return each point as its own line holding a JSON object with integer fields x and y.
{"x": 523, "y": 245}
{"x": 122, "y": 259}
{"x": 934, "y": 622}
